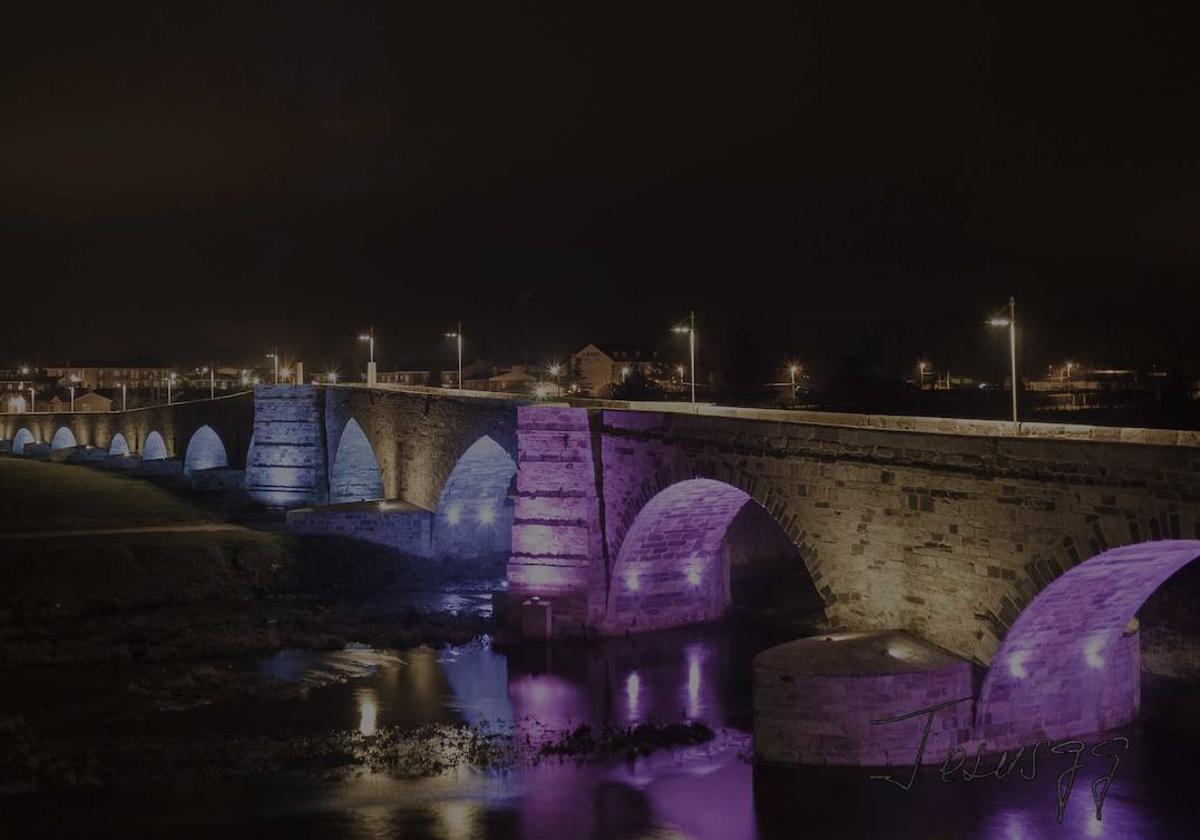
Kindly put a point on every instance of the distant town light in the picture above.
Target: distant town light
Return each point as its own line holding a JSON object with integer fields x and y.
{"x": 625, "y": 371}
{"x": 999, "y": 322}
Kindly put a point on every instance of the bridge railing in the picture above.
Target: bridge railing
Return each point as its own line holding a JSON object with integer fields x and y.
{"x": 840, "y": 419}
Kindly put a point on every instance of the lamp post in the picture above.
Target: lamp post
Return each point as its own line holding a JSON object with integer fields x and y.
{"x": 690, "y": 329}
{"x": 369, "y": 337}
{"x": 457, "y": 334}
{"x": 123, "y": 396}
{"x": 554, "y": 370}
{"x": 72, "y": 399}
{"x": 793, "y": 369}
{"x": 1011, "y": 323}
{"x": 212, "y": 381}
{"x": 32, "y": 401}
{"x": 275, "y": 357}
{"x": 170, "y": 381}
{"x": 922, "y": 366}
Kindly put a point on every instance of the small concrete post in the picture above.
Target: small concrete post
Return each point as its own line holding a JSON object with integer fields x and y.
{"x": 535, "y": 619}
{"x": 370, "y": 374}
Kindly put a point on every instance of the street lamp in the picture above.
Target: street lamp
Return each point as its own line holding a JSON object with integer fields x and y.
{"x": 457, "y": 334}
{"x": 170, "y": 381}
{"x": 793, "y": 369}
{"x": 275, "y": 357}
{"x": 369, "y": 337}
{"x": 32, "y": 403}
{"x": 690, "y": 329}
{"x": 554, "y": 370}
{"x": 122, "y": 396}
{"x": 922, "y": 366}
{"x": 1011, "y": 323}
{"x": 72, "y": 399}
{"x": 332, "y": 377}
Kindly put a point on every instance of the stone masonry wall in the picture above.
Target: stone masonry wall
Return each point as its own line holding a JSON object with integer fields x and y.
{"x": 949, "y": 536}
{"x": 557, "y": 549}
{"x": 231, "y": 417}
{"x": 287, "y": 466}
{"x": 418, "y": 437}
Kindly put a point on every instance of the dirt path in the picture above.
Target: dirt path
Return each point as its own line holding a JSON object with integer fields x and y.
{"x": 147, "y": 529}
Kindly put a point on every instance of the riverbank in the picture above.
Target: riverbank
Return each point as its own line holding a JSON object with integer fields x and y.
{"x": 174, "y": 592}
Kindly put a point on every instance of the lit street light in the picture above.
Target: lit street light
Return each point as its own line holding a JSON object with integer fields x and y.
{"x": 690, "y": 329}
{"x": 793, "y": 369}
{"x": 1011, "y": 323}
{"x": 170, "y": 381}
{"x": 369, "y": 337}
{"x": 554, "y": 370}
{"x": 123, "y": 396}
{"x": 332, "y": 377}
{"x": 275, "y": 357}
{"x": 72, "y": 399}
{"x": 457, "y": 334}
{"x": 212, "y": 381}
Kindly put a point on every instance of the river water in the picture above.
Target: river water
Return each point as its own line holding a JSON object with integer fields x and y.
{"x": 711, "y": 792}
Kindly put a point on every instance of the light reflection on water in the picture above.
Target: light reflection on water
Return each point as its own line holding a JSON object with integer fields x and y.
{"x": 705, "y": 793}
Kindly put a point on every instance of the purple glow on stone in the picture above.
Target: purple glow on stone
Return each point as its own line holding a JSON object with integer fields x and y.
{"x": 1066, "y": 666}
{"x": 23, "y": 437}
{"x": 155, "y": 448}
{"x": 64, "y": 438}
{"x": 671, "y": 561}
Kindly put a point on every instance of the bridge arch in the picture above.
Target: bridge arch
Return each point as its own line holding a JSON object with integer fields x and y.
{"x": 22, "y": 437}
{"x": 1069, "y": 665}
{"x": 64, "y": 438}
{"x": 355, "y": 474}
{"x": 675, "y": 560}
{"x": 474, "y": 514}
{"x": 118, "y": 445}
{"x": 205, "y": 451}
{"x": 155, "y": 448}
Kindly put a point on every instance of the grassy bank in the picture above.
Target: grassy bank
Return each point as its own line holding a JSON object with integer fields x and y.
{"x": 39, "y": 496}
{"x": 166, "y": 595}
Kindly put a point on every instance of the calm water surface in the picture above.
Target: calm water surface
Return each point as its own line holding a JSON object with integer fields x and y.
{"x": 709, "y": 792}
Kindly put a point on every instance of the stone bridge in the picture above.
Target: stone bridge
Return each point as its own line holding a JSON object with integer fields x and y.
{"x": 206, "y": 439}
{"x": 968, "y": 535}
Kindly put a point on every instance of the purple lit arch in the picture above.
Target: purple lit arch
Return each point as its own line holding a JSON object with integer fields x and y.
{"x": 22, "y": 438}
{"x": 118, "y": 445}
{"x": 205, "y": 451}
{"x": 474, "y": 514}
{"x": 355, "y": 474}
{"x": 1069, "y": 664}
{"x": 155, "y": 448}
{"x": 671, "y": 569}
{"x": 64, "y": 438}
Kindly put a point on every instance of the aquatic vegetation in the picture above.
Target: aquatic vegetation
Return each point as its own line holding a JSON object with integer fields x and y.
{"x": 585, "y": 742}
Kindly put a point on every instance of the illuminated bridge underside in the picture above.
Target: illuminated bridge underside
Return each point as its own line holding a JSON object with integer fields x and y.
{"x": 671, "y": 570}
{"x": 1070, "y": 663}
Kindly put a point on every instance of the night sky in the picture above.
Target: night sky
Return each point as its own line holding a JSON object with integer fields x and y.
{"x": 192, "y": 180}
